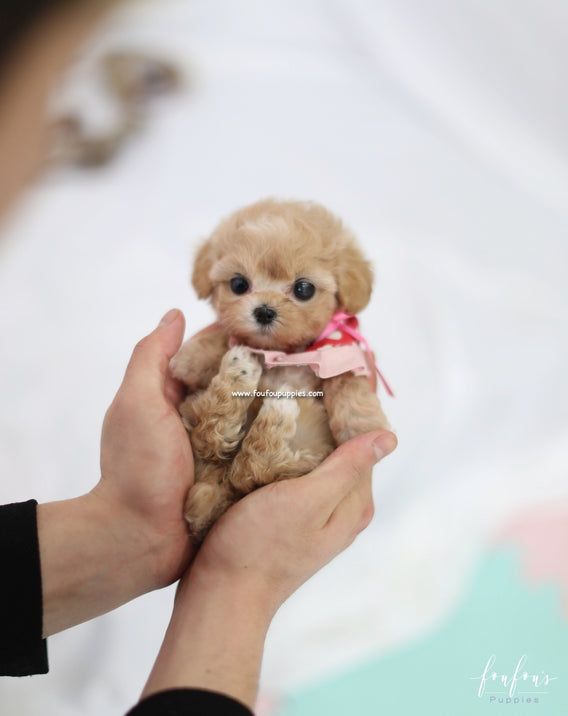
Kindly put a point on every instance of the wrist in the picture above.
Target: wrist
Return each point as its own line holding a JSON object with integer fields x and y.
{"x": 248, "y": 591}
{"x": 215, "y": 638}
{"x": 91, "y": 561}
{"x": 244, "y": 594}
{"x": 123, "y": 538}
{"x": 155, "y": 557}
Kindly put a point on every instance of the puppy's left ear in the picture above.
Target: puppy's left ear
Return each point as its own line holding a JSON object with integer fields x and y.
{"x": 354, "y": 279}
{"x": 201, "y": 269}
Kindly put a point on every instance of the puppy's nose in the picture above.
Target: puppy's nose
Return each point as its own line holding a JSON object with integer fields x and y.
{"x": 264, "y": 314}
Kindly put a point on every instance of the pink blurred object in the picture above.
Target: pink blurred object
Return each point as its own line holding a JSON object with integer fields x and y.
{"x": 267, "y": 705}
{"x": 542, "y": 536}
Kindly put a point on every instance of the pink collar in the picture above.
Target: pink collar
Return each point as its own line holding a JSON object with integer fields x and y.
{"x": 350, "y": 351}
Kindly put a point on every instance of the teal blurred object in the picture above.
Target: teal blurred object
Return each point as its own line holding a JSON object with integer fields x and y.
{"x": 502, "y": 616}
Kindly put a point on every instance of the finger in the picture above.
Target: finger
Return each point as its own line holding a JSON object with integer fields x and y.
{"x": 354, "y": 513}
{"x": 174, "y": 390}
{"x": 342, "y": 471}
{"x": 148, "y": 366}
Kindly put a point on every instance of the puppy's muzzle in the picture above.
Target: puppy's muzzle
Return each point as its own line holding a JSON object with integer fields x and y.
{"x": 264, "y": 315}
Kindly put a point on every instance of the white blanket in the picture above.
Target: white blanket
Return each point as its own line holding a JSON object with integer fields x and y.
{"x": 438, "y": 132}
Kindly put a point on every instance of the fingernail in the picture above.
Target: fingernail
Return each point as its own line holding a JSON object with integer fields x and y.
{"x": 169, "y": 317}
{"x": 384, "y": 445}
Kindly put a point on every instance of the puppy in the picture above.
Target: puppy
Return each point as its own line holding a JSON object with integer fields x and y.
{"x": 276, "y": 272}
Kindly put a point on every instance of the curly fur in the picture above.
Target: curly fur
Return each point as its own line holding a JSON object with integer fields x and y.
{"x": 243, "y": 443}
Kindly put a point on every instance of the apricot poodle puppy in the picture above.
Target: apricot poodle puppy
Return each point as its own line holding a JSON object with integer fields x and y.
{"x": 276, "y": 273}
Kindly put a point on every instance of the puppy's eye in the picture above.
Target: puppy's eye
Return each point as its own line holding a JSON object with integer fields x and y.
{"x": 239, "y": 285}
{"x": 304, "y": 289}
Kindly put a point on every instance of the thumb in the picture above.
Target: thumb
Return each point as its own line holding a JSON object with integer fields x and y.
{"x": 148, "y": 365}
{"x": 342, "y": 471}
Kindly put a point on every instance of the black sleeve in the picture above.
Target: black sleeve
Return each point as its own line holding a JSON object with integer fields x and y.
{"x": 189, "y": 702}
{"x": 22, "y": 650}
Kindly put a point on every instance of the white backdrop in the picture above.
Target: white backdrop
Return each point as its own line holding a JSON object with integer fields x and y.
{"x": 438, "y": 132}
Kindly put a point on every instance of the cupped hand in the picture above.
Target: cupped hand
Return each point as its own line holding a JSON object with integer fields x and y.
{"x": 255, "y": 556}
{"x": 274, "y": 539}
{"x": 146, "y": 458}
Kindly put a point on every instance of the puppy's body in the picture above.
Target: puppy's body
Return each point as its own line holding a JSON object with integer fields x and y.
{"x": 275, "y": 273}
{"x": 312, "y": 425}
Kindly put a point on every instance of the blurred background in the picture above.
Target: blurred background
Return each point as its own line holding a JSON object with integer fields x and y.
{"x": 437, "y": 131}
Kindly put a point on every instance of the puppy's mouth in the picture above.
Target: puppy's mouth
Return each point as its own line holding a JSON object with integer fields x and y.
{"x": 274, "y": 335}
{"x": 267, "y": 335}
{"x": 270, "y": 329}
{"x": 263, "y": 336}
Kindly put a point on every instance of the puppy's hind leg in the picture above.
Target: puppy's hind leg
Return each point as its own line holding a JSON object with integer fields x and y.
{"x": 266, "y": 454}
{"x": 215, "y": 418}
{"x": 207, "y": 499}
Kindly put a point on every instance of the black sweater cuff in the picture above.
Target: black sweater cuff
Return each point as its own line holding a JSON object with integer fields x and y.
{"x": 22, "y": 650}
{"x": 189, "y": 702}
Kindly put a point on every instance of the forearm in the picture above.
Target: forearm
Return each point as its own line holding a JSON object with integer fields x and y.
{"x": 93, "y": 559}
{"x": 126, "y": 536}
{"x": 215, "y": 639}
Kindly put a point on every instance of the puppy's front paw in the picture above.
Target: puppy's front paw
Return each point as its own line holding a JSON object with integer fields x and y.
{"x": 179, "y": 366}
{"x": 360, "y": 424}
{"x": 184, "y": 368}
{"x": 241, "y": 368}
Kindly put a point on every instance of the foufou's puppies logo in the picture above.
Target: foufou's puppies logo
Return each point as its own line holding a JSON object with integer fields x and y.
{"x": 521, "y": 685}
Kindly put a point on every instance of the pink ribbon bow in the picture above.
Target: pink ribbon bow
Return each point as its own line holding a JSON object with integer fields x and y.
{"x": 340, "y": 322}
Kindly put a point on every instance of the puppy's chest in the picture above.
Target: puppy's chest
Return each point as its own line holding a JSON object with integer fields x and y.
{"x": 294, "y": 377}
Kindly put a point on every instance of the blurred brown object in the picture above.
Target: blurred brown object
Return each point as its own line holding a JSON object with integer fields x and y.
{"x": 133, "y": 79}
{"x": 71, "y": 144}
{"x": 136, "y": 77}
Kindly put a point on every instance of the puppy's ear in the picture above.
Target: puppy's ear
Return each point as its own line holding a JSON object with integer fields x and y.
{"x": 201, "y": 269}
{"x": 354, "y": 279}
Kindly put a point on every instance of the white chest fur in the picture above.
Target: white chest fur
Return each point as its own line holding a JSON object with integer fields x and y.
{"x": 294, "y": 377}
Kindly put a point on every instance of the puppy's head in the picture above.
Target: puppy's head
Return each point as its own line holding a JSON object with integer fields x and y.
{"x": 276, "y": 271}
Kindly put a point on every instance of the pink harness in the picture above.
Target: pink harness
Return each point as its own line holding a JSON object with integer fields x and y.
{"x": 339, "y": 348}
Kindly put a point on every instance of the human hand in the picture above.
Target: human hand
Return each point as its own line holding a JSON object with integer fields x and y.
{"x": 255, "y": 556}
{"x": 127, "y": 535}
{"x": 146, "y": 458}
{"x": 274, "y": 539}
